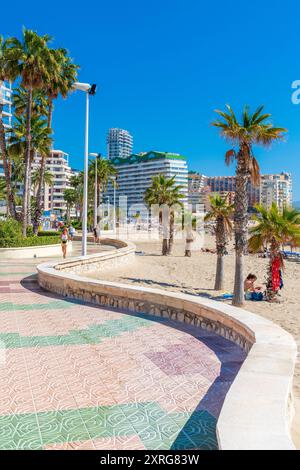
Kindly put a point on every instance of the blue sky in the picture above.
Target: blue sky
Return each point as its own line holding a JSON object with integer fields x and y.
{"x": 163, "y": 66}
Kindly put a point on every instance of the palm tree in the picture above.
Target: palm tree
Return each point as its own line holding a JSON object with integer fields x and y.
{"x": 36, "y": 65}
{"x": 8, "y": 71}
{"x": 175, "y": 201}
{"x": 71, "y": 197}
{"x": 252, "y": 129}
{"x": 76, "y": 182}
{"x": 36, "y": 178}
{"x": 273, "y": 229}
{"x": 39, "y": 102}
{"x": 61, "y": 83}
{"x": 40, "y": 142}
{"x": 220, "y": 212}
{"x": 106, "y": 173}
{"x": 164, "y": 193}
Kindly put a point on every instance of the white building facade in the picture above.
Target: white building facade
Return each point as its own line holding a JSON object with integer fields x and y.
{"x": 135, "y": 175}
{"x": 6, "y": 104}
{"x": 276, "y": 188}
{"x": 58, "y": 165}
{"x": 119, "y": 143}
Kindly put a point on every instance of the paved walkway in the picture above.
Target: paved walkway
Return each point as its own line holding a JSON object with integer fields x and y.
{"x": 75, "y": 376}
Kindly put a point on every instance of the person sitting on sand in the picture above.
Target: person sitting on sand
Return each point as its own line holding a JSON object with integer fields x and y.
{"x": 252, "y": 292}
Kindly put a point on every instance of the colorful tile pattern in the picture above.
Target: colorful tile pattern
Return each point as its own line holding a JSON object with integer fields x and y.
{"x": 76, "y": 376}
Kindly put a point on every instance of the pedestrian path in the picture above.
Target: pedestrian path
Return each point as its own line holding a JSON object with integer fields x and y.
{"x": 76, "y": 376}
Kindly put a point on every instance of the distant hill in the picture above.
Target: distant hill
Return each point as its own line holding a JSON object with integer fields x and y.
{"x": 296, "y": 204}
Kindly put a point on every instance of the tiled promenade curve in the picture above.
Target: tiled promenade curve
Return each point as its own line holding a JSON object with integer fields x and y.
{"x": 76, "y": 376}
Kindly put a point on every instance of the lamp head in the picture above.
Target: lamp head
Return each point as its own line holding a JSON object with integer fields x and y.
{"x": 96, "y": 155}
{"x": 92, "y": 90}
{"x": 82, "y": 86}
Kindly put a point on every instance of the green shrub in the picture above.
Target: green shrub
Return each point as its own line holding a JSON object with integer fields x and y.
{"x": 29, "y": 231}
{"x": 48, "y": 233}
{"x": 10, "y": 230}
{"x": 11, "y": 236}
{"x": 29, "y": 241}
{"x": 77, "y": 224}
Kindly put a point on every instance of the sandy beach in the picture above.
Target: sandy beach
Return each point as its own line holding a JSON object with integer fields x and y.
{"x": 195, "y": 276}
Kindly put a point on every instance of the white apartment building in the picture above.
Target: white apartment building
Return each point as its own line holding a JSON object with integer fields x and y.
{"x": 58, "y": 165}
{"x": 197, "y": 190}
{"x": 6, "y": 102}
{"x": 119, "y": 143}
{"x": 276, "y": 188}
{"x": 135, "y": 175}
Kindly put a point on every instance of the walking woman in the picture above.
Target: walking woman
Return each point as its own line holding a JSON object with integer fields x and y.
{"x": 64, "y": 241}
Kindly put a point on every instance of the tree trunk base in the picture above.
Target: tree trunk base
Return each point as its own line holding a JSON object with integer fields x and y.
{"x": 165, "y": 247}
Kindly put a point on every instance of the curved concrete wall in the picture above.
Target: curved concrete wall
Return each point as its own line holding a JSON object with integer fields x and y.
{"x": 42, "y": 251}
{"x": 258, "y": 408}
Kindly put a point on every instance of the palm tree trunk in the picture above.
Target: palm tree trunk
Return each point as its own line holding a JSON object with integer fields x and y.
{"x": 41, "y": 186}
{"x": 32, "y": 154}
{"x": 165, "y": 229}
{"x": 171, "y": 239}
{"x": 164, "y": 251}
{"x": 6, "y": 167}
{"x": 39, "y": 201}
{"x": 221, "y": 241}
{"x": 27, "y": 163}
{"x": 219, "y": 281}
{"x": 240, "y": 223}
{"x": 188, "y": 241}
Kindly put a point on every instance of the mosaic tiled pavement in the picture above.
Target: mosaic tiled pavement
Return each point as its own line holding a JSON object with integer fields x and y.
{"x": 76, "y": 376}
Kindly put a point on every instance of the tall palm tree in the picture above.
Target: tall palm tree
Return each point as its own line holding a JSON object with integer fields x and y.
{"x": 36, "y": 177}
{"x": 40, "y": 143}
{"x": 76, "y": 182}
{"x": 163, "y": 192}
{"x": 71, "y": 198}
{"x": 175, "y": 202}
{"x": 106, "y": 174}
{"x": 220, "y": 212}
{"x": 36, "y": 65}
{"x": 39, "y": 102}
{"x": 274, "y": 229}
{"x": 8, "y": 71}
{"x": 253, "y": 129}
{"x": 63, "y": 76}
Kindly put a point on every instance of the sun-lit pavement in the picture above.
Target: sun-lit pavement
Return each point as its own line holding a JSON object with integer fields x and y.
{"x": 76, "y": 376}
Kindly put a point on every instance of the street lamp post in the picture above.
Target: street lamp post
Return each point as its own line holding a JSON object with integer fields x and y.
{"x": 96, "y": 155}
{"x": 89, "y": 90}
{"x": 114, "y": 215}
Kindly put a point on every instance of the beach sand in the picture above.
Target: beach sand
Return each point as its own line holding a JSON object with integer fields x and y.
{"x": 195, "y": 276}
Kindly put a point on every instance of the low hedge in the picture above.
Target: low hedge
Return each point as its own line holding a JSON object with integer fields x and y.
{"x": 29, "y": 241}
{"x": 11, "y": 236}
{"x": 48, "y": 233}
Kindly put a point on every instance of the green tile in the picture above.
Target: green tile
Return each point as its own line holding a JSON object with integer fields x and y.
{"x": 10, "y": 340}
{"x": 91, "y": 335}
{"x": 57, "y": 304}
{"x": 106, "y": 421}
{"x": 19, "y": 432}
{"x": 62, "y": 426}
